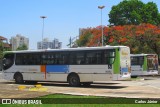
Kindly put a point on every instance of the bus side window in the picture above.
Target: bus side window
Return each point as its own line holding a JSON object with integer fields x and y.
{"x": 141, "y": 61}
{"x": 80, "y": 58}
{"x": 21, "y": 59}
{"x": 77, "y": 58}
{"x": 90, "y": 59}
{"x": 63, "y": 58}
{"x": 44, "y": 58}
{"x": 72, "y": 58}
{"x": 18, "y": 59}
{"x": 94, "y": 57}
{"x": 36, "y": 59}
{"x": 137, "y": 60}
{"x": 109, "y": 56}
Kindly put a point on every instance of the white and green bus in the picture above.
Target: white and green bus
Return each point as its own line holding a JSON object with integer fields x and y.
{"x": 144, "y": 64}
{"x": 74, "y": 65}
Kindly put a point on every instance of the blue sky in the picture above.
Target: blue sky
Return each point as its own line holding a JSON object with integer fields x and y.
{"x": 64, "y": 18}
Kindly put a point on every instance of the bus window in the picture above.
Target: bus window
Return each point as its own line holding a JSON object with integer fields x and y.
{"x": 28, "y": 59}
{"x": 94, "y": 57}
{"x": 63, "y": 58}
{"x": 8, "y": 61}
{"x": 138, "y": 60}
{"x": 77, "y": 58}
{"x": 45, "y": 58}
{"x": 109, "y": 56}
{"x": 80, "y": 58}
{"x": 72, "y": 58}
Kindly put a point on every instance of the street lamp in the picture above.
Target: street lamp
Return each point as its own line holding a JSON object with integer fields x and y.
{"x": 101, "y": 7}
{"x": 72, "y": 40}
{"x": 43, "y": 17}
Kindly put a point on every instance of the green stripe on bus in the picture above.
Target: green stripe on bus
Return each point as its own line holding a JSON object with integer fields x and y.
{"x": 116, "y": 65}
{"x": 145, "y": 64}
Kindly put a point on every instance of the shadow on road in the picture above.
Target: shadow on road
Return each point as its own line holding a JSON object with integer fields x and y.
{"x": 98, "y": 86}
{"x": 60, "y": 84}
{"x": 7, "y": 82}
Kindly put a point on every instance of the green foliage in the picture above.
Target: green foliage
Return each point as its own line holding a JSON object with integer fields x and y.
{"x": 134, "y": 12}
{"x": 84, "y": 39}
{"x": 23, "y": 47}
{"x": 150, "y": 13}
{"x": 1, "y": 49}
{"x": 143, "y": 38}
{"x": 82, "y": 105}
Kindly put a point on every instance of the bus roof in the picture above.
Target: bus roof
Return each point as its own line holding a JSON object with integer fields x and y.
{"x": 68, "y": 49}
{"x": 142, "y": 54}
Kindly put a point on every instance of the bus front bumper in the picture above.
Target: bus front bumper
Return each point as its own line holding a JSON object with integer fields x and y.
{"x": 124, "y": 76}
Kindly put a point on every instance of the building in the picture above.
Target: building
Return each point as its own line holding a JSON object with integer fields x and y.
{"x": 47, "y": 44}
{"x": 18, "y": 41}
{"x": 4, "y": 43}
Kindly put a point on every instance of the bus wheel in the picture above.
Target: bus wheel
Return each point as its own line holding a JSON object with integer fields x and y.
{"x": 134, "y": 76}
{"x": 74, "y": 80}
{"x": 18, "y": 78}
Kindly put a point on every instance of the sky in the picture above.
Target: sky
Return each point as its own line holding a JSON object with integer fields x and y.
{"x": 64, "y": 18}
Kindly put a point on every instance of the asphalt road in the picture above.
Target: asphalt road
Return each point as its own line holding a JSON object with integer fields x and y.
{"x": 1, "y": 75}
{"x": 148, "y": 87}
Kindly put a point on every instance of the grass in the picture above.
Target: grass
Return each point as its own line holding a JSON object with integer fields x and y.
{"x": 85, "y": 105}
{"x": 60, "y": 98}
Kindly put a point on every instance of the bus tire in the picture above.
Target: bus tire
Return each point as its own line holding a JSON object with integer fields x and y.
{"x": 74, "y": 80}
{"x": 134, "y": 76}
{"x": 18, "y": 78}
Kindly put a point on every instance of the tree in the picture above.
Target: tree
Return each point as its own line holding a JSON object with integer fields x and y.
{"x": 23, "y": 47}
{"x": 134, "y": 12}
{"x": 1, "y": 49}
{"x": 150, "y": 13}
{"x": 84, "y": 38}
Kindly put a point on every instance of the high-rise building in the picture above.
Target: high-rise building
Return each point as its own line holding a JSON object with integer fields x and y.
{"x": 47, "y": 44}
{"x": 18, "y": 41}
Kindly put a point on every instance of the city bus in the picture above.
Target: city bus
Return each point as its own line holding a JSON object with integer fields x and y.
{"x": 144, "y": 64}
{"x": 77, "y": 66}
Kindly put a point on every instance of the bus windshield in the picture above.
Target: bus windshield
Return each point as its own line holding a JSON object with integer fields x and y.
{"x": 0, "y": 64}
{"x": 8, "y": 61}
